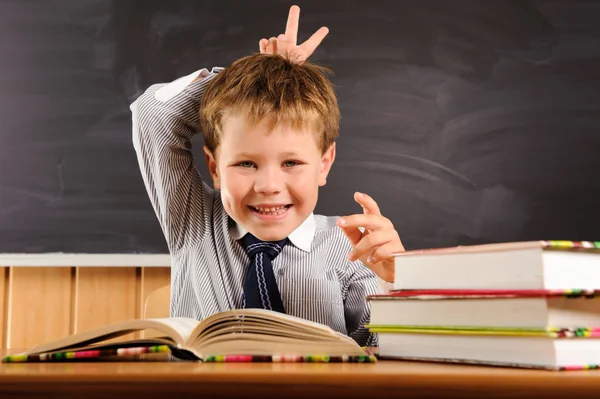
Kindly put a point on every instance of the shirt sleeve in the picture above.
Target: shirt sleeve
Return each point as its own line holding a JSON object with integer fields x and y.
{"x": 164, "y": 119}
{"x": 362, "y": 283}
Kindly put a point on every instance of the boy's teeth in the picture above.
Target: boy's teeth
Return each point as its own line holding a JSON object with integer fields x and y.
{"x": 270, "y": 209}
{"x": 275, "y": 210}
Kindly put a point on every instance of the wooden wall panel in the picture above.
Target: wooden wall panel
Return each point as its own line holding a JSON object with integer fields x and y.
{"x": 3, "y": 294}
{"x": 152, "y": 278}
{"x": 39, "y": 305}
{"x": 105, "y": 295}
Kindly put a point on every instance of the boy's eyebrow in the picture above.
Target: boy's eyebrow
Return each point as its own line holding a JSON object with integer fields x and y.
{"x": 262, "y": 154}
{"x": 247, "y": 155}
{"x": 290, "y": 154}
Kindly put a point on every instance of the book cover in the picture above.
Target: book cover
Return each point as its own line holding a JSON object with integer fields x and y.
{"x": 556, "y": 245}
{"x": 550, "y": 332}
{"x": 488, "y": 293}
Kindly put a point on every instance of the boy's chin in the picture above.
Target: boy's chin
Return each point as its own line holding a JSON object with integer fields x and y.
{"x": 272, "y": 234}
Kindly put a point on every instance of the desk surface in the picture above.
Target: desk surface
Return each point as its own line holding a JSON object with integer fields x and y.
{"x": 189, "y": 379}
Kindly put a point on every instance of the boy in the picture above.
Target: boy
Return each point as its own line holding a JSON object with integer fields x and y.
{"x": 269, "y": 121}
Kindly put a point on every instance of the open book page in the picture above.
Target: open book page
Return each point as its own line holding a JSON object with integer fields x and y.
{"x": 262, "y": 332}
{"x": 264, "y": 329}
{"x": 177, "y": 329}
{"x": 270, "y": 322}
{"x": 250, "y": 344}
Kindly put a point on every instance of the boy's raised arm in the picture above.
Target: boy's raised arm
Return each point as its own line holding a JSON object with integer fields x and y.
{"x": 165, "y": 117}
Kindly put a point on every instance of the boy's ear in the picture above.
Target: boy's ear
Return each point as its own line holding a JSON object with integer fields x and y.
{"x": 326, "y": 163}
{"x": 211, "y": 162}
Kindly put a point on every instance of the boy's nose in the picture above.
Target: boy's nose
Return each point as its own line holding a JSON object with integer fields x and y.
{"x": 269, "y": 182}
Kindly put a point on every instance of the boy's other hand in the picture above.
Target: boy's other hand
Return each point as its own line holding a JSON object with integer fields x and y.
{"x": 373, "y": 246}
{"x": 285, "y": 44}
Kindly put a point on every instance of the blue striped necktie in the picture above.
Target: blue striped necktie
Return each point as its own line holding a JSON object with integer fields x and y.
{"x": 260, "y": 286}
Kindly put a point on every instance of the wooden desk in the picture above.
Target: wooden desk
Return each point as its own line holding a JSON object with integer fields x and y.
{"x": 157, "y": 379}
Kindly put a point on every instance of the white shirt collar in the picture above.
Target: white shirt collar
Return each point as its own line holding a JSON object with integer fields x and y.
{"x": 302, "y": 237}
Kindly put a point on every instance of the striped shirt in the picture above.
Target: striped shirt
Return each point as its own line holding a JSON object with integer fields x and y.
{"x": 315, "y": 278}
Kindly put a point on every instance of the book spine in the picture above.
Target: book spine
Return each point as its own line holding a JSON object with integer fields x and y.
{"x": 582, "y": 367}
{"x": 80, "y": 355}
{"x": 492, "y": 363}
{"x": 551, "y": 332}
{"x": 291, "y": 359}
{"x": 489, "y": 293}
{"x": 565, "y": 244}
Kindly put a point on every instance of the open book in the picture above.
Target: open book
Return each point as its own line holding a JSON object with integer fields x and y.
{"x": 234, "y": 335}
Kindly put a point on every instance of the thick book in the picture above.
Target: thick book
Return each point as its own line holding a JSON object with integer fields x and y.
{"x": 563, "y": 349}
{"x": 533, "y": 265}
{"x": 497, "y": 309}
{"x": 243, "y": 335}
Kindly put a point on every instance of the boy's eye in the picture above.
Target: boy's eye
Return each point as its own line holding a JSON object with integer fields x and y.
{"x": 289, "y": 164}
{"x": 246, "y": 164}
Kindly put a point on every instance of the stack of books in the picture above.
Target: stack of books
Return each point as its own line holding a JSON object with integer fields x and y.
{"x": 525, "y": 304}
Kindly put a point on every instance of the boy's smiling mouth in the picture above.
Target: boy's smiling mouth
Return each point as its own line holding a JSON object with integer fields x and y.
{"x": 270, "y": 211}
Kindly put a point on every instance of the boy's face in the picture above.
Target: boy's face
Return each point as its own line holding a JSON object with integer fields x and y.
{"x": 269, "y": 181}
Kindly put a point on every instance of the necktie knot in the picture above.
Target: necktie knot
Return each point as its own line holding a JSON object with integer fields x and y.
{"x": 254, "y": 246}
{"x": 260, "y": 286}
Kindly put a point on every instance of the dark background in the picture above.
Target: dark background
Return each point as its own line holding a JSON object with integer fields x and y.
{"x": 468, "y": 121}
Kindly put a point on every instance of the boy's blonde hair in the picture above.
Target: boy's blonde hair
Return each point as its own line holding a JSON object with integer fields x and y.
{"x": 261, "y": 86}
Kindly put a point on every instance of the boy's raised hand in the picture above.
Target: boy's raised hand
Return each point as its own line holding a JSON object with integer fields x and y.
{"x": 285, "y": 44}
{"x": 377, "y": 242}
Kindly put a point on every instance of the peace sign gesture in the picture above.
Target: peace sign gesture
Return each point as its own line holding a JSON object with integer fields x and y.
{"x": 377, "y": 241}
{"x": 285, "y": 44}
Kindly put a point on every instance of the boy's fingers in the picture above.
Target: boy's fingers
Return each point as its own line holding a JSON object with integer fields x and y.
{"x": 368, "y": 204}
{"x": 368, "y": 221}
{"x": 262, "y": 45}
{"x": 352, "y": 233}
{"x": 383, "y": 252}
{"x": 272, "y": 46}
{"x": 371, "y": 242}
{"x": 291, "y": 28}
{"x": 283, "y": 45}
{"x": 310, "y": 45}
